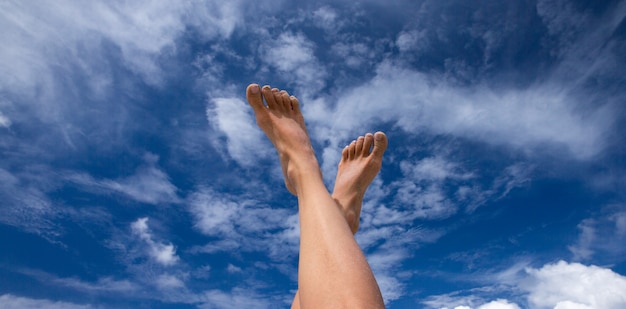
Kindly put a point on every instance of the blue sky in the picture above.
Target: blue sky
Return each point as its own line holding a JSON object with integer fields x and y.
{"x": 132, "y": 174}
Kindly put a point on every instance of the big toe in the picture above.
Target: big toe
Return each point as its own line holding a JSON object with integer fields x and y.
{"x": 255, "y": 99}
{"x": 380, "y": 144}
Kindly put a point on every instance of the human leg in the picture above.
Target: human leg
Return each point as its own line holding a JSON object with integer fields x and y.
{"x": 333, "y": 271}
{"x": 360, "y": 162}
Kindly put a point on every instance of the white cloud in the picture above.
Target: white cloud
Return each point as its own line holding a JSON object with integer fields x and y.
{"x": 521, "y": 118}
{"x": 582, "y": 249}
{"x": 553, "y": 286}
{"x": 433, "y": 169}
{"x": 499, "y": 304}
{"x": 4, "y": 120}
{"x": 106, "y": 284}
{"x": 325, "y": 17}
{"x": 412, "y": 41}
{"x": 65, "y": 65}
{"x": 148, "y": 184}
{"x": 354, "y": 54}
{"x": 141, "y": 31}
{"x": 244, "y": 224}
{"x": 567, "y": 284}
{"x": 293, "y": 55}
{"x": 167, "y": 282}
{"x": 8, "y": 301}
{"x": 604, "y": 234}
{"x": 236, "y": 298}
{"x": 164, "y": 254}
{"x": 245, "y": 142}
{"x": 231, "y": 269}
{"x": 571, "y": 305}
{"x": 26, "y": 204}
{"x": 428, "y": 202}
{"x": 421, "y": 192}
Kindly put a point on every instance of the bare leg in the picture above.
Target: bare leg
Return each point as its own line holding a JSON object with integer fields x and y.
{"x": 332, "y": 271}
{"x": 360, "y": 162}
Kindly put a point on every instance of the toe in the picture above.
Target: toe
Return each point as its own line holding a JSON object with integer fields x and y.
{"x": 295, "y": 104}
{"x": 380, "y": 144}
{"x": 352, "y": 150}
{"x": 278, "y": 99}
{"x": 286, "y": 101}
{"x": 359, "y": 146}
{"x": 269, "y": 97}
{"x": 255, "y": 99}
{"x": 345, "y": 154}
{"x": 367, "y": 144}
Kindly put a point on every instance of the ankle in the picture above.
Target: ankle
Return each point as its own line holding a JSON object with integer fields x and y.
{"x": 304, "y": 172}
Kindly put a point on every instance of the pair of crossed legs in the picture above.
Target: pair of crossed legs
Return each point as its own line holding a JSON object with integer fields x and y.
{"x": 332, "y": 270}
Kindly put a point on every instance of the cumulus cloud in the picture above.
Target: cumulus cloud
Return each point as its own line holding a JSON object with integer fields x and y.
{"x": 567, "y": 285}
{"x": 164, "y": 254}
{"x": 553, "y": 286}
{"x": 499, "y": 304}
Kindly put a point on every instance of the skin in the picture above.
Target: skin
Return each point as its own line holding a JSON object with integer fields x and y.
{"x": 332, "y": 271}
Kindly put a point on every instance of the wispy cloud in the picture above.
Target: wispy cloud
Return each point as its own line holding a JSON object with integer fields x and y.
{"x": 244, "y": 224}
{"x": 148, "y": 184}
{"x": 293, "y": 56}
{"x": 242, "y": 139}
{"x": 236, "y": 298}
{"x": 163, "y": 253}
{"x": 26, "y": 204}
{"x": 15, "y": 302}
{"x": 603, "y": 234}
{"x": 4, "y": 120}
{"x": 521, "y": 118}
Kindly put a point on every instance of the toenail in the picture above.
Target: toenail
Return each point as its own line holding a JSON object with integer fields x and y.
{"x": 254, "y": 89}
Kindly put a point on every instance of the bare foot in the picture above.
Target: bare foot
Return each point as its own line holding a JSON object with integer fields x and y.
{"x": 283, "y": 123}
{"x": 357, "y": 169}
